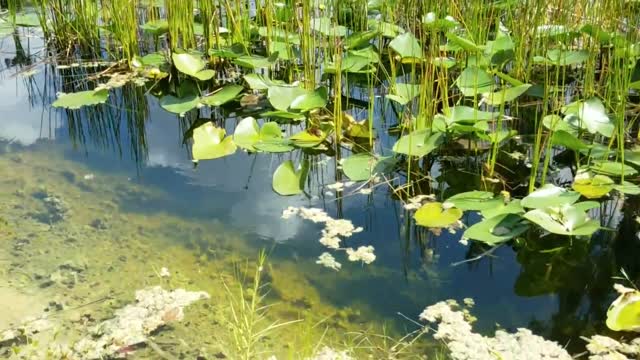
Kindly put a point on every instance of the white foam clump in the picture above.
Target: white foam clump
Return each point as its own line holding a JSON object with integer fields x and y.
{"x": 332, "y": 234}
{"x": 154, "y": 308}
{"x": 327, "y": 353}
{"x": 456, "y": 331}
{"x": 327, "y": 260}
{"x": 605, "y": 348}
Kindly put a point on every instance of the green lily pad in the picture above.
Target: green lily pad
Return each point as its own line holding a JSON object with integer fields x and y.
{"x": 611, "y": 168}
{"x": 473, "y": 81}
{"x": 407, "y": 46}
{"x": 179, "y": 105}
{"x": 505, "y": 95}
{"x": 564, "y": 220}
{"x": 568, "y": 140}
{"x": 403, "y": 93}
{"x": 223, "y": 95}
{"x": 511, "y": 207}
{"x": 324, "y": 26}
{"x": 209, "y": 142}
{"x": 361, "y": 167}
{"x": 589, "y": 114}
{"x": 550, "y": 195}
{"x": 433, "y": 215}
{"x": 310, "y": 100}
{"x": 360, "y": 39}
{"x": 624, "y": 312}
{"x": 592, "y": 187}
{"x": 627, "y": 188}
{"x": 156, "y": 27}
{"x": 82, "y": 98}
{"x": 418, "y": 143}
{"x": 284, "y": 115}
{"x": 309, "y": 138}
{"x": 282, "y": 96}
{"x": 254, "y": 61}
{"x": 248, "y": 135}
{"x": 475, "y": 200}
{"x": 466, "y": 114}
{"x": 497, "y": 229}
{"x": 288, "y": 181}
{"x": 187, "y": 63}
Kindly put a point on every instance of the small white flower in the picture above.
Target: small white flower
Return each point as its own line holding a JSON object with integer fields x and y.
{"x": 464, "y": 241}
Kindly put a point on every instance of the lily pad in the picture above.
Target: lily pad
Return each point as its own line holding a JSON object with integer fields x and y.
{"x": 611, "y": 168}
{"x": 179, "y": 105}
{"x": 288, "y": 181}
{"x": 434, "y": 215}
{"x": 497, "y": 229}
{"x": 550, "y": 195}
{"x": 475, "y": 200}
{"x": 310, "y": 100}
{"x": 505, "y": 95}
{"x": 563, "y": 220}
{"x": 209, "y": 142}
{"x": 407, "y": 46}
{"x": 361, "y": 167}
{"x": 403, "y": 93}
{"x": 82, "y": 98}
{"x": 282, "y": 96}
{"x": 223, "y": 95}
{"x": 324, "y": 26}
{"x": 624, "y": 312}
{"x": 473, "y": 81}
{"x": 418, "y": 143}
{"x": 589, "y": 114}
{"x": 592, "y": 187}
{"x": 248, "y": 135}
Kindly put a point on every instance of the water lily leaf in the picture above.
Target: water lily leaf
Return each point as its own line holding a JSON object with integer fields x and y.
{"x": 311, "y": 137}
{"x": 257, "y": 81}
{"x": 360, "y": 167}
{"x": 154, "y": 59}
{"x": 468, "y": 114}
{"x": 563, "y": 57}
{"x": 282, "y": 96}
{"x": 284, "y": 115}
{"x": 463, "y": 43}
{"x": 407, "y": 46}
{"x": 209, "y": 142}
{"x": 81, "y": 98}
{"x": 288, "y": 181}
{"x": 352, "y": 63}
{"x": 387, "y": 30}
{"x": 554, "y": 122}
{"x": 223, "y": 95}
{"x": 550, "y": 195}
{"x": 418, "y": 143}
{"x": 205, "y": 75}
{"x": 324, "y": 26}
{"x": 624, "y": 312}
{"x": 627, "y": 188}
{"x": 568, "y": 140}
{"x": 360, "y": 39}
{"x": 473, "y": 81}
{"x": 497, "y": 229}
{"x": 187, "y": 63}
{"x": 254, "y": 61}
{"x": 403, "y": 93}
{"x": 249, "y": 136}
{"x": 566, "y": 220}
{"x": 474, "y": 200}
{"x": 281, "y": 35}
{"x": 283, "y": 49}
{"x": 370, "y": 53}
{"x": 433, "y": 215}
{"x": 592, "y": 187}
{"x": 179, "y": 105}
{"x": 611, "y": 168}
{"x": 589, "y": 114}
{"x": 156, "y": 27}
{"x": 311, "y": 100}
{"x": 505, "y": 95}
{"x": 511, "y": 207}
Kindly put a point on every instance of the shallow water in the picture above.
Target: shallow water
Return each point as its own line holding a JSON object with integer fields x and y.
{"x": 133, "y": 202}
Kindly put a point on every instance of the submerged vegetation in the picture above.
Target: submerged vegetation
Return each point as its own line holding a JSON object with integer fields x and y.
{"x": 513, "y": 122}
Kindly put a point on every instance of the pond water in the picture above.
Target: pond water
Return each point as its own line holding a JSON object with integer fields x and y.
{"x": 129, "y": 201}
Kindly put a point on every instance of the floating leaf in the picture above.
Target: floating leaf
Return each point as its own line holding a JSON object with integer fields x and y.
{"x": 563, "y": 138}
{"x": 254, "y": 61}
{"x": 511, "y": 207}
{"x": 407, "y": 46}
{"x": 474, "y": 200}
{"x": 361, "y": 167}
{"x": 468, "y": 114}
{"x": 563, "y": 57}
{"x": 209, "y": 142}
{"x": 187, "y": 63}
{"x": 565, "y": 220}
{"x": 403, "y": 93}
{"x": 310, "y": 100}
{"x": 433, "y": 215}
{"x": 282, "y": 96}
{"x": 223, "y": 95}
{"x": 288, "y": 181}
{"x": 324, "y": 26}
{"x": 156, "y": 27}
{"x": 284, "y": 115}
{"x": 497, "y": 229}
{"x": 592, "y": 187}
{"x": 418, "y": 143}
{"x": 179, "y": 105}
{"x": 624, "y": 312}
{"x": 611, "y": 168}
{"x": 473, "y": 81}
{"x": 82, "y": 98}
{"x": 589, "y": 114}
{"x": 360, "y": 39}
{"x": 463, "y": 43}
{"x": 248, "y": 135}
{"x": 627, "y": 188}
{"x": 550, "y": 195}
{"x": 505, "y": 95}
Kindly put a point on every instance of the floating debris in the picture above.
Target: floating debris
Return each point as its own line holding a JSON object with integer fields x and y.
{"x": 164, "y": 272}
{"x": 154, "y": 308}
{"x": 327, "y": 260}
{"x": 327, "y": 353}
{"x": 89, "y": 176}
{"x": 364, "y": 254}
{"x": 455, "y": 330}
{"x": 26, "y": 329}
{"x": 605, "y": 348}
